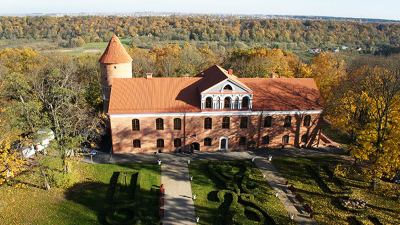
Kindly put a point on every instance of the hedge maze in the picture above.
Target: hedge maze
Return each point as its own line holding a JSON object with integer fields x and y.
{"x": 238, "y": 194}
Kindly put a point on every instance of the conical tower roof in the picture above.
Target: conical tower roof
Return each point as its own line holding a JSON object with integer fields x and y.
{"x": 115, "y": 53}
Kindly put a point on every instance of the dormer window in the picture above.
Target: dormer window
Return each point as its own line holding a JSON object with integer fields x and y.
{"x": 228, "y": 88}
{"x": 227, "y": 103}
{"x": 209, "y": 103}
{"x": 245, "y": 102}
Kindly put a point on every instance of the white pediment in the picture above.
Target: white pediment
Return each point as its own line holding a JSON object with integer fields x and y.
{"x": 219, "y": 88}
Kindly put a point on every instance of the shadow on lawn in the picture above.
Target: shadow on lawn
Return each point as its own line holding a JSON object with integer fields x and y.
{"x": 126, "y": 206}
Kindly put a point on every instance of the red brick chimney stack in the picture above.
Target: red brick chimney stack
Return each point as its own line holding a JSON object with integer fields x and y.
{"x": 230, "y": 71}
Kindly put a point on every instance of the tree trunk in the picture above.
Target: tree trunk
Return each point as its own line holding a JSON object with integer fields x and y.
{"x": 46, "y": 182}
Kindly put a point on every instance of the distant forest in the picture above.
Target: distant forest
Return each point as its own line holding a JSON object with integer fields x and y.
{"x": 74, "y": 31}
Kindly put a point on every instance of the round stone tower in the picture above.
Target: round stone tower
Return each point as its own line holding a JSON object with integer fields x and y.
{"x": 114, "y": 63}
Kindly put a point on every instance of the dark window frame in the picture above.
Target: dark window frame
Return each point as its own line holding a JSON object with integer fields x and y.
{"x": 244, "y": 122}
{"x": 177, "y": 142}
{"x": 242, "y": 141}
{"x": 268, "y": 121}
{"x": 160, "y": 143}
{"x": 285, "y": 139}
{"x": 226, "y": 122}
{"x": 135, "y": 124}
{"x": 209, "y": 103}
{"x": 227, "y": 103}
{"x": 208, "y": 123}
{"x": 136, "y": 143}
{"x": 247, "y": 101}
{"x": 228, "y": 87}
{"x": 177, "y": 124}
{"x": 265, "y": 140}
{"x": 307, "y": 121}
{"x": 288, "y": 121}
{"x": 207, "y": 141}
{"x": 159, "y": 124}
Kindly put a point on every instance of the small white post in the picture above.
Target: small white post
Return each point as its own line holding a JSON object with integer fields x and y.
{"x": 197, "y": 219}
{"x": 188, "y": 161}
{"x": 159, "y": 162}
{"x": 194, "y": 197}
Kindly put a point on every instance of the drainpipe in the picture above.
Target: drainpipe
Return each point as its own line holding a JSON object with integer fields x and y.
{"x": 184, "y": 130}
{"x": 259, "y": 129}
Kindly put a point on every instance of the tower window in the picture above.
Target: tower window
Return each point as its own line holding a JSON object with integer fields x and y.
{"x": 135, "y": 124}
{"x": 244, "y": 122}
{"x": 207, "y": 123}
{"x": 304, "y": 138}
{"x": 177, "y": 124}
{"x": 268, "y": 121}
{"x": 209, "y": 103}
{"x": 288, "y": 121}
{"x": 160, "y": 143}
{"x": 225, "y": 122}
{"x": 159, "y": 124}
{"x": 136, "y": 143}
{"x": 207, "y": 141}
{"x": 115, "y": 67}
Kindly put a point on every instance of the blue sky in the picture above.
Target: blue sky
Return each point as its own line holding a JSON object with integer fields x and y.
{"x": 384, "y": 9}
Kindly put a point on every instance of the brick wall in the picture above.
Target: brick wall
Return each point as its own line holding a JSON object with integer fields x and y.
{"x": 193, "y": 127}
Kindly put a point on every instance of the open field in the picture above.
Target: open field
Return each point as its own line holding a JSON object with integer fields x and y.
{"x": 86, "y": 197}
{"x": 234, "y": 192}
{"x": 314, "y": 181}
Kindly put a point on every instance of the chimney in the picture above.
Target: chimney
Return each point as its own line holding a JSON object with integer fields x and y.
{"x": 230, "y": 71}
{"x": 149, "y": 75}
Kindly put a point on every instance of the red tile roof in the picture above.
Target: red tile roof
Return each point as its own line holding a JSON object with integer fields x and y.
{"x": 173, "y": 94}
{"x": 115, "y": 53}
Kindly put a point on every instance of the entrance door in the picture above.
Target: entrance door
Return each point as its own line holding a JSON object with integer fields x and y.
{"x": 223, "y": 144}
{"x": 196, "y": 146}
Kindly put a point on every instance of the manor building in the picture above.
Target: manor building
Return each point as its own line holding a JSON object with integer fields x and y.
{"x": 214, "y": 110}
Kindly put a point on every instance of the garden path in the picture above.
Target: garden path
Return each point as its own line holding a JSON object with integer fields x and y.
{"x": 178, "y": 203}
{"x": 288, "y": 199}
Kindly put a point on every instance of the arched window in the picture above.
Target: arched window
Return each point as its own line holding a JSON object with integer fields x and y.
{"x": 265, "y": 140}
{"x": 135, "y": 124}
{"x": 227, "y": 103}
{"x": 268, "y": 121}
{"x": 207, "y": 141}
{"x": 207, "y": 123}
{"x": 304, "y": 138}
{"x": 159, "y": 124}
{"x": 245, "y": 102}
{"x": 225, "y": 122}
{"x": 307, "y": 121}
{"x": 177, "y": 124}
{"x": 228, "y": 88}
{"x": 242, "y": 141}
{"x": 209, "y": 103}
{"x": 244, "y": 122}
{"x": 136, "y": 143}
{"x": 285, "y": 139}
{"x": 177, "y": 142}
{"x": 288, "y": 121}
{"x": 160, "y": 143}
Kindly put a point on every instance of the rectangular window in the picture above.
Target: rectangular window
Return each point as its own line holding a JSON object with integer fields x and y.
{"x": 177, "y": 124}
{"x": 207, "y": 123}
{"x": 244, "y": 122}
{"x": 136, "y": 143}
{"x": 225, "y": 123}
{"x": 160, "y": 143}
{"x": 242, "y": 141}
{"x": 159, "y": 124}
{"x": 135, "y": 124}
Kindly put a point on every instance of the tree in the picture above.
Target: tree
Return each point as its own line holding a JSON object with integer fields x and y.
{"x": 368, "y": 108}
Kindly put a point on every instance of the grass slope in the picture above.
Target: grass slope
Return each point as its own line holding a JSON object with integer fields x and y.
{"x": 82, "y": 201}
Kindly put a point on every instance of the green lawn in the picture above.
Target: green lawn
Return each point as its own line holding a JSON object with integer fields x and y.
{"x": 313, "y": 179}
{"x": 84, "y": 196}
{"x": 234, "y": 192}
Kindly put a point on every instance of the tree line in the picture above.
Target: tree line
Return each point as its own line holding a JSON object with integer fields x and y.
{"x": 75, "y": 31}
